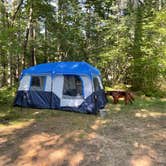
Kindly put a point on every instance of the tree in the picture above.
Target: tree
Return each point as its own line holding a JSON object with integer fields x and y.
{"x": 125, "y": 39}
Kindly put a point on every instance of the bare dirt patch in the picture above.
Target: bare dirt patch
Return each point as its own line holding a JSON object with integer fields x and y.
{"x": 127, "y": 136}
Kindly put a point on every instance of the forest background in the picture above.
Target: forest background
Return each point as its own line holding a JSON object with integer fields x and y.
{"x": 125, "y": 39}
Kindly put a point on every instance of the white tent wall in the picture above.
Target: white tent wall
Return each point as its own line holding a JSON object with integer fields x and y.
{"x": 58, "y": 84}
{"x": 48, "y": 83}
{"x": 25, "y": 83}
{"x": 71, "y": 102}
{"x": 88, "y": 87}
{"x": 100, "y": 82}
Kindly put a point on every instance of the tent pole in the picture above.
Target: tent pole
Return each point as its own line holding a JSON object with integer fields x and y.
{"x": 95, "y": 97}
{"x": 22, "y": 99}
{"x": 51, "y": 91}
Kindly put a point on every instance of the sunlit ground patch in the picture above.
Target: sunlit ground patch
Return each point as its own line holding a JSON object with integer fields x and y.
{"x": 146, "y": 113}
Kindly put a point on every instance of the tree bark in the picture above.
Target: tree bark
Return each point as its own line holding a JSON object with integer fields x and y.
{"x": 32, "y": 48}
{"x": 26, "y": 38}
{"x": 16, "y": 11}
{"x": 137, "y": 53}
{"x": 45, "y": 46}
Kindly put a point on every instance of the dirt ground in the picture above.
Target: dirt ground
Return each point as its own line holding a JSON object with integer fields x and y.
{"x": 126, "y": 136}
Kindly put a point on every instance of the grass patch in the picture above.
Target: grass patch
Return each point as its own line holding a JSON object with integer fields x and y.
{"x": 141, "y": 102}
{"x": 126, "y": 132}
{"x": 10, "y": 114}
{"x": 7, "y": 95}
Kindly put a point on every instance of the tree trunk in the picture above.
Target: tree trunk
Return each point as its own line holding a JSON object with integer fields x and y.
{"x": 26, "y": 38}
{"x": 4, "y": 79}
{"x": 11, "y": 68}
{"x": 45, "y": 46}
{"x": 160, "y": 4}
{"x": 137, "y": 54}
{"x": 32, "y": 48}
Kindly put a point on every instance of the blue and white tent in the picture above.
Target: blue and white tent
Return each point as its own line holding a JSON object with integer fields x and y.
{"x": 73, "y": 86}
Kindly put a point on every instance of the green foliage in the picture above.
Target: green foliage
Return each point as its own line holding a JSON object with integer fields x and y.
{"x": 125, "y": 40}
{"x": 7, "y": 95}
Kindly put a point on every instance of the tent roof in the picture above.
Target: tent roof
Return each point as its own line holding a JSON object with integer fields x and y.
{"x": 79, "y": 68}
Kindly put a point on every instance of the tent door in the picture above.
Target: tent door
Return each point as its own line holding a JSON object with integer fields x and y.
{"x": 71, "y": 102}
{"x": 72, "y": 93}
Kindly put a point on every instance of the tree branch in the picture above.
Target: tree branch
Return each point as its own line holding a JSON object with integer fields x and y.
{"x": 15, "y": 13}
{"x": 141, "y": 2}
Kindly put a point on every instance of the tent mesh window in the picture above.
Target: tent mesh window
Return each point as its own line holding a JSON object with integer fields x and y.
{"x": 37, "y": 83}
{"x": 72, "y": 86}
{"x": 96, "y": 84}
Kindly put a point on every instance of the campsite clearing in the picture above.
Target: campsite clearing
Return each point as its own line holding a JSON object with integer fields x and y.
{"x": 129, "y": 135}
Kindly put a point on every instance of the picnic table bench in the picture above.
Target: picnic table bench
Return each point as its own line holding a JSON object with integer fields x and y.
{"x": 117, "y": 94}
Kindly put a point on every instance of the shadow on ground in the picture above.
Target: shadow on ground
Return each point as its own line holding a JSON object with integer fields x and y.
{"x": 129, "y": 135}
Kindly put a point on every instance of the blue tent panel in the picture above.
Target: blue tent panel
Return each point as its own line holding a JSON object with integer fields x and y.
{"x": 48, "y": 100}
{"x": 79, "y": 68}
